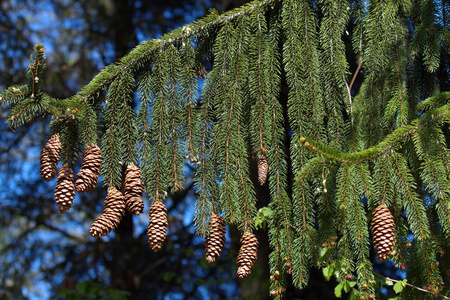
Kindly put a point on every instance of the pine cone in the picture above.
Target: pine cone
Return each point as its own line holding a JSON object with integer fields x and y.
{"x": 90, "y": 169}
{"x": 263, "y": 169}
{"x": 113, "y": 211}
{"x": 215, "y": 240}
{"x": 49, "y": 157}
{"x": 383, "y": 228}
{"x": 157, "y": 225}
{"x": 133, "y": 189}
{"x": 65, "y": 189}
{"x": 247, "y": 254}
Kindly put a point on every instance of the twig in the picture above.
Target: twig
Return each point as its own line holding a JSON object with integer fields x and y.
{"x": 412, "y": 286}
{"x": 354, "y": 75}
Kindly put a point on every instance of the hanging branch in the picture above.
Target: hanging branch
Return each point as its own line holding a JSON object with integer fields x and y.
{"x": 159, "y": 167}
{"x": 205, "y": 172}
{"x": 175, "y": 109}
{"x": 188, "y": 91}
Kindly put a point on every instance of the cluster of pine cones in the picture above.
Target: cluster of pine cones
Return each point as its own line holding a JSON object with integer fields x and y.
{"x": 215, "y": 242}
{"x": 117, "y": 202}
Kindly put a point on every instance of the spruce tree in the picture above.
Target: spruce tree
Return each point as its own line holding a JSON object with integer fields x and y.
{"x": 330, "y": 154}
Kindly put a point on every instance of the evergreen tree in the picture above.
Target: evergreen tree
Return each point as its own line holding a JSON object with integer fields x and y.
{"x": 337, "y": 158}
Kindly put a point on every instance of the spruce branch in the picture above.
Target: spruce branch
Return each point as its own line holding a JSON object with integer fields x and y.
{"x": 141, "y": 53}
{"x": 205, "y": 199}
{"x": 441, "y": 114}
{"x": 13, "y": 95}
{"x": 35, "y": 70}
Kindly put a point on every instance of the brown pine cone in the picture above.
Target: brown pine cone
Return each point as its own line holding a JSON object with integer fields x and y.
{"x": 383, "y": 228}
{"x": 157, "y": 225}
{"x": 133, "y": 189}
{"x": 247, "y": 254}
{"x": 263, "y": 169}
{"x": 215, "y": 240}
{"x": 113, "y": 211}
{"x": 90, "y": 169}
{"x": 49, "y": 157}
{"x": 65, "y": 189}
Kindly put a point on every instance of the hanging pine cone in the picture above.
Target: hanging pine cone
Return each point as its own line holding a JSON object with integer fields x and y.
{"x": 247, "y": 254}
{"x": 113, "y": 211}
{"x": 215, "y": 240}
{"x": 133, "y": 189}
{"x": 65, "y": 189}
{"x": 49, "y": 157}
{"x": 90, "y": 169}
{"x": 383, "y": 228}
{"x": 157, "y": 225}
{"x": 263, "y": 169}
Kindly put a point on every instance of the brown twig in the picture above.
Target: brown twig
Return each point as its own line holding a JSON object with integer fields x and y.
{"x": 354, "y": 75}
{"x": 412, "y": 286}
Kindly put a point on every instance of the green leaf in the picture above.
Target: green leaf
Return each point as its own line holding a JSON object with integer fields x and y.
{"x": 328, "y": 272}
{"x": 266, "y": 212}
{"x": 261, "y": 217}
{"x": 338, "y": 290}
{"x": 347, "y": 286}
{"x": 389, "y": 282}
{"x": 324, "y": 252}
{"x": 399, "y": 286}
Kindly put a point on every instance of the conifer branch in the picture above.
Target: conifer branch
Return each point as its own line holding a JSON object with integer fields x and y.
{"x": 13, "y": 95}
{"x": 189, "y": 88}
{"x": 142, "y": 52}
{"x": 247, "y": 205}
{"x": 276, "y": 155}
{"x": 390, "y": 142}
{"x": 159, "y": 116}
{"x": 415, "y": 210}
{"x": 206, "y": 195}
{"x": 174, "y": 110}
